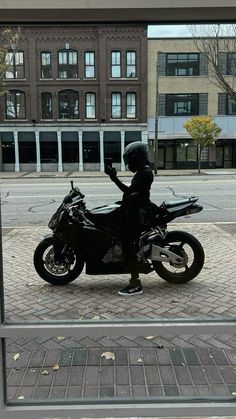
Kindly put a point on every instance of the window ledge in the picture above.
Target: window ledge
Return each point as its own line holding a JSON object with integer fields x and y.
{"x": 123, "y": 119}
{"x": 15, "y": 120}
{"x": 90, "y": 119}
{"x": 7, "y": 80}
{"x": 90, "y": 78}
{"x": 47, "y": 120}
{"x": 123, "y": 78}
{"x": 45, "y": 79}
{"x": 68, "y": 120}
{"x": 67, "y": 79}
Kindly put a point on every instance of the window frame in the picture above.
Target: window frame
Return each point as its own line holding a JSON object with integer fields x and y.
{"x": 134, "y": 95}
{"x": 131, "y": 65}
{"x": 191, "y": 96}
{"x": 118, "y": 94}
{"x": 14, "y": 65}
{"x": 14, "y": 92}
{"x": 112, "y": 66}
{"x": 42, "y": 106}
{"x": 229, "y": 64}
{"x": 48, "y": 65}
{"x": 89, "y": 65}
{"x": 90, "y": 106}
{"x": 59, "y": 103}
{"x": 177, "y": 65}
{"x": 230, "y": 102}
{"x": 67, "y": 66}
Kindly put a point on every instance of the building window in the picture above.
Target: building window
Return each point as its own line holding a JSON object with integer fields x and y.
{"x": 115, "y": 64}
{"x": 46, "y": 105}
{"x": 68, "y": 104}
{"x": 90, "y": 106}
{"x": 131, "y": 64}
{"x": 70, "y": 151}
{"x": 182, "y": 64}
{"x": 182, "y": 104}
{"x": 15, "y": 105}
{"x": 231, "y": 63}
{"x": 46, "y": 65}
{"x": 27, "y": 151}
{"x": 48, "y": 152}
{"x": 186, "y": 152}
{"x": 89, "y": 64}
{"x": 230, "y": 106}
{"x": 15, "y": 63}
{"x": 116, "y": 105}
{"x": 8, "y": 152}
{"x": 67, "y": 64}
{"x": 131, "y": 105}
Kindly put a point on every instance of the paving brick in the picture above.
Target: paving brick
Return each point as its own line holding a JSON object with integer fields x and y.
{"x": 15, "y": 377}
{"x": 57, "y": 393}
{"x": 228, "y": 374}
{"x": 80, "y": 356}
{"x": 123, "y": 391}
{"x": 121, "y": 357}
{"x": 42, "y": 393}
{"x": 155, "y": 391}
{"x": 30, "y": 377}
{"x": 74, "y": 392}
{"x": 171, "y": 391}
{"x": 91, "y": 376}
{"x": 213, "y": 375}
{"x": 137, "y": 376}
{"x": 65, "y": 358}
{"x": 182, "y": 375}
{"x": 107, "y": 392}
{"x": 198, "y": 375}
{"x": 107, "y": 376}
{"x": 139, "y": 391}
{"x": 121, "y": 376}
{"x": 187, "y": 390}
{"x": 219, "y": 357}
{"x": 177, "y": 356}
{"x": 61, "y": 376}
{"x": 167, "y": 375}
{"x": 77, "y": 376}
{"x": 163, "y": 357}
{"x": 37, "y": 359}
{"x": 90, "y": 392}
{"x": 191, "y": 356}
{"x": 149, "y": 356}
{"x": 152, "y": 375}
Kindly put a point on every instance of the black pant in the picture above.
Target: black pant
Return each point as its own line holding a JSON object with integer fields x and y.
{"x": 130, "y": 232}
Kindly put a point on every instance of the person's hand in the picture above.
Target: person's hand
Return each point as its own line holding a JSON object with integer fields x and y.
{"x": 111, "y": 171}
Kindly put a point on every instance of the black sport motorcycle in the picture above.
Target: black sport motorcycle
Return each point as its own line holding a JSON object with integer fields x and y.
{"x": 93, "y": 238}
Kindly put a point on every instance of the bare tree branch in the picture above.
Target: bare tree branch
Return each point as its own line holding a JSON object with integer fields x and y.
{"x": 218, "y": 44}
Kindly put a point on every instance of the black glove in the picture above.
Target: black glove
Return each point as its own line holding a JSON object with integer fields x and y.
{"x": 111, "y": 171}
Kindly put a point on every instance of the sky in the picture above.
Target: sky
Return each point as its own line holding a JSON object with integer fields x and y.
{"x": 168, "y": 31}
{"x": 178, "y": 31}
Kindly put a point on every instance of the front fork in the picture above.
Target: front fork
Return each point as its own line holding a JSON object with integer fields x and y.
{"x": 58, "y": 247}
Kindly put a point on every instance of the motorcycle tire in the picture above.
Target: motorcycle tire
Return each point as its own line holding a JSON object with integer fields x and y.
{"x": 43, "y": 263}
{"x": 189, "y": 273}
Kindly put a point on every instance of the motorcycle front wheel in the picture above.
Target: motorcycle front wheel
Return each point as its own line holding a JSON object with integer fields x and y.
{"x": 190, "y": 249}
{"x": 53, "y": 272}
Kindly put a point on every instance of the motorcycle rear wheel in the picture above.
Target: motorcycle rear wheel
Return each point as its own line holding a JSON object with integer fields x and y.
{"x": 49, "y": 270}
{"x": 176, "y": 240}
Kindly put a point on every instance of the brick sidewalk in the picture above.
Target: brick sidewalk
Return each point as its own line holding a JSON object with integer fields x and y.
{"x": 160, "y": 366}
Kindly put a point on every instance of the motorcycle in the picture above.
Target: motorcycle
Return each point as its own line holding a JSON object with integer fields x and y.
{"x": 93, "y": 238}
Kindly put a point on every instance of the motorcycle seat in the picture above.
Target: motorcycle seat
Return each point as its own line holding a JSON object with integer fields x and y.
{"x": 177, "y": 203}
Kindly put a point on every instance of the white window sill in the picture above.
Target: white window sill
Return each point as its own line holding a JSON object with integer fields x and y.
{"x": 47, "y": 120}
{"x": 123, "y": 119}
{"x": 68, "y": 120}
{"x": 45, "y": 79}
{"x": 90, "y": 119}
{"x": 123, "y": 78}
{"x": 7, "y": 80}
{"x": 15, "y": 120}
{"x": 67, "y": 79}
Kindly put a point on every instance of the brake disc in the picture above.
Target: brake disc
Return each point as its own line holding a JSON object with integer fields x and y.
{"x": 54, "y": 267}
{"x": 180, "y": 252}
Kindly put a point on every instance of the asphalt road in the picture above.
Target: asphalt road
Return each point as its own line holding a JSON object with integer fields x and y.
{"x": 32, "y": 201}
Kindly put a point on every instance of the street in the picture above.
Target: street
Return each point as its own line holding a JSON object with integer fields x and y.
{"x": 28, "y": 202}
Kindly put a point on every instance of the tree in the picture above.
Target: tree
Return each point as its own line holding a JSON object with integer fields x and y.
{"x": 9, "y": 38}
{"x": 204, "y": 131}
{"x": 217, "y": 42}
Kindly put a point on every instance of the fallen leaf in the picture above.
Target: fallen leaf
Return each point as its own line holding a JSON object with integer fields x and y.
{"x": 20, "y": 398}
{"x": 211, "y": 356}
{"x": 234, "y": 393}
{"x": 96, "y": 318}
{"x": 149, "y": 337}
{"x": 55, "y": 367}
{"x": 140, "y": 360}
{"x": 16, "y": 356}
{"x": 61, "y": 337}
{"x": 183, "y": 364}
{"x": 45, "y": 372}
{"x": 175, "y": 300}
{"x": 160, "y": 346}
{"x": 108, "y": 355}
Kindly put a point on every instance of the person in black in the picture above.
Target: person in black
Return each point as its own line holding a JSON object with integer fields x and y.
{"x": 135, "y": 197}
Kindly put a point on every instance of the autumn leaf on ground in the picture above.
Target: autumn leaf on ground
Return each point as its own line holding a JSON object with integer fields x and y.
{"x": 55, "y": 367}
{"x": 108, "y": 355}
{"x": 16, "y": 356}
{"x": 45, "y": 372}
{"x": 96, "y": 318}
{"x": 20, "y": 398}
{"x": 140, "y": 360}
{"x": 149, "y": 337}
{"x": 61, "y": 337}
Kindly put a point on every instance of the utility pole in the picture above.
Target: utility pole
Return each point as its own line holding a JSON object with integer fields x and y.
{"x": 156, "y": 116}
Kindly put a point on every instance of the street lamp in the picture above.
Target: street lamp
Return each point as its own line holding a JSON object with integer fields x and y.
{"x": 156, "y": 114}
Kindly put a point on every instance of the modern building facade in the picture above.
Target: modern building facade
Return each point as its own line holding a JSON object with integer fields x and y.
{"x": 76, "y": 94}
{"x": 180, "y": 74}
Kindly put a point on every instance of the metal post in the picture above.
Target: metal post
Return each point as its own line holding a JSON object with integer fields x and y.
{"x": 156, "y": 119}
{"x": 81, "y": 163}
{"x": 101, "y": 136}
{"x": 3, "y": 385}
{"x": 60, "y": 168}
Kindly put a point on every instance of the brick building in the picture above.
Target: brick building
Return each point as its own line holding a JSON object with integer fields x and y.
{"x": 76, "y": 94}
{"x": 185, "y": 90}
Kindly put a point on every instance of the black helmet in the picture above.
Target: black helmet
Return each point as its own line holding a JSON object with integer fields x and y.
{"x": 135, "y": 154}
